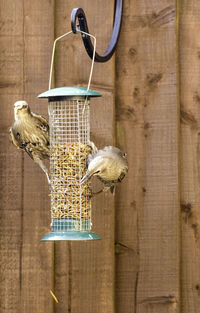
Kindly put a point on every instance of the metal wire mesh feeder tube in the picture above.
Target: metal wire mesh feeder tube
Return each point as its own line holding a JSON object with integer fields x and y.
{"x": 69, "y": 148}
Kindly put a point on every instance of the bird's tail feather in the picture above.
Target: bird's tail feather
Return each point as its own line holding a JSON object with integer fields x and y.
{"x": 112, "y": 189}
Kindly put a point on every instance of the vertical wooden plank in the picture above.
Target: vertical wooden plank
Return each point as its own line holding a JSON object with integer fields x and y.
{"x": 84, "y": 271}
{"x": 189, "y": 45}
{"x": 11, "y": 87}
{"x": 147, "y": 206}
{"x": 37, "y": 257}
{"x": 130, "y": 138}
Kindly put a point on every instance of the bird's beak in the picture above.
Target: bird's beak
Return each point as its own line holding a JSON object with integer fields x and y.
{"x": 84, "y": 178}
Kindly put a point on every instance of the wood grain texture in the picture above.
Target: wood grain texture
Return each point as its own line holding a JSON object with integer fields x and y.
{"x": 84, "y": 271}
{"x": 190, "y": 154}
{"x": 36, "y": 258}
{"x": 147, "y": 207}
{"x": 11, "y": 86}
{"x": 135, "y": 268}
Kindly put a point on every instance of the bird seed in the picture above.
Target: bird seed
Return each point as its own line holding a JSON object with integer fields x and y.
{"x": 69, "y": 199}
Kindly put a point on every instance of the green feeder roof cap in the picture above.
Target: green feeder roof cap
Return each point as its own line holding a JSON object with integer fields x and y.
{"x": 69, "y": 92}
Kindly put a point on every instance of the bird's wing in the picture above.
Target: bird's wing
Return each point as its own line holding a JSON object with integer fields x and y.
{"x": 20, "y": 141}
{"x": 115, "y": 150}
{"x": 89, "y": 159}
{"x": 13, "y": 138}
{"x": 24, "y": 137}
{"x": 42, "y": 123}
{"x": 112, "y": 189}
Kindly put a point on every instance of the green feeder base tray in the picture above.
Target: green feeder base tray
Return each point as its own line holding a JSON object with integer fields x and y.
{"x": 70, "y": 235}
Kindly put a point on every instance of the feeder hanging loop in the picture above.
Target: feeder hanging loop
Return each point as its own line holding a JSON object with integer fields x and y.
{"x": 79, "y": 13}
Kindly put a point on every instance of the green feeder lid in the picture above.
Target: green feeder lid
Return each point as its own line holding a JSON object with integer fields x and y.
{"x": 63, "y": 92}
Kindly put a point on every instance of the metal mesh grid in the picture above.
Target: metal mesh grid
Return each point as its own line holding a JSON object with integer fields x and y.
{"x": 69, "y": 136}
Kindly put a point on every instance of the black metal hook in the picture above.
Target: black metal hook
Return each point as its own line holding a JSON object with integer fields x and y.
{"x": 79, "y": 13}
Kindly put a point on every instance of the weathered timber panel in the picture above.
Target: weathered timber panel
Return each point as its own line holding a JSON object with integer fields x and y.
{"x": 11, "y": 182}
{"x": 147, "y": 120}
{"x": 26, "y": 37}
{"x": 189, "y": 46}
{"x": 36, "y": 258}
{"x": 84, "y": 271}
{"x": 135, "y": 268}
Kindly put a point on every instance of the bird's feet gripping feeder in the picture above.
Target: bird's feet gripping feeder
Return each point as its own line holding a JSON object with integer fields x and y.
{"x": 69, "y": 114}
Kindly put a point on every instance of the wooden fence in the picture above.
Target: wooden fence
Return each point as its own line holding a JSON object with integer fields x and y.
{"x": 148, "y": 260}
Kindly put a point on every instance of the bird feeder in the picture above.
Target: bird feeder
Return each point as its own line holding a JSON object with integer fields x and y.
{"x": 69, "y": 124}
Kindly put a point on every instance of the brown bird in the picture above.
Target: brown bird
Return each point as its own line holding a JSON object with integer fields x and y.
{"x": 30, "y": 132}
{"x": 109, "y": 164}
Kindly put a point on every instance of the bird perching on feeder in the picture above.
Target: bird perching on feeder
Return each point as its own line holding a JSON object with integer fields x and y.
{"x": 69, "y": 125}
